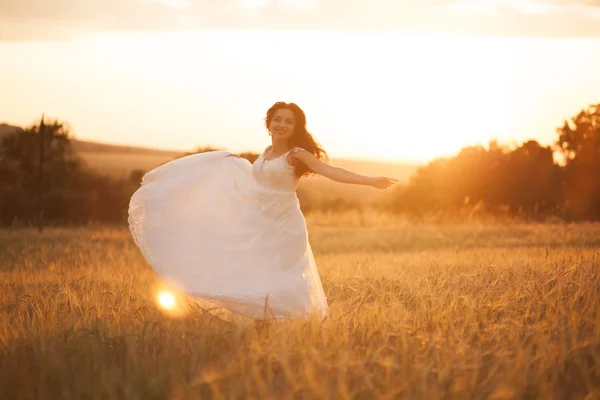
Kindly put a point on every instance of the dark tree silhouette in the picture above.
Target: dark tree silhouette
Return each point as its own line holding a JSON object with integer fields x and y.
{"x": 579, "y": 142}
{"x": 36, "y": 166}
{"x": 524, "y": 181}
{"x": 68, "y": 193}
{"x": 532, "y": 180}
{"x": 580, "y": 137}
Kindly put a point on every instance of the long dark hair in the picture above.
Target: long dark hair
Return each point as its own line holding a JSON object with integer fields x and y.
{"x": 300, "y": 137}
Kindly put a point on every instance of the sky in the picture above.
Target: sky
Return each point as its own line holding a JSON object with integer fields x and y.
{"x": 378, "y": 79}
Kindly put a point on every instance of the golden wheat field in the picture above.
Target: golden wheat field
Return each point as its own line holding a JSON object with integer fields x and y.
{"x": 417, "y": 310}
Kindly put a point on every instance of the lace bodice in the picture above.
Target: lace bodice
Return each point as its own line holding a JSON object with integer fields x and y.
{"x": 276, "y": 174}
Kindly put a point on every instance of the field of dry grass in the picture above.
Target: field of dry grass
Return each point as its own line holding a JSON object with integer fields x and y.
{"x": 418, "y": 311}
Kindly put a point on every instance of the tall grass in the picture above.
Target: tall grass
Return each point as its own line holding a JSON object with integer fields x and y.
{"x": 417, "y": 311}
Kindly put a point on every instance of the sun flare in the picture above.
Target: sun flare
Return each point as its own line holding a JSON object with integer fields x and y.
{"x": 166, "y": 300}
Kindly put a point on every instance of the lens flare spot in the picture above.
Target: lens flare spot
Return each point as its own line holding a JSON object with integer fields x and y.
{"x": 166, "y": 300}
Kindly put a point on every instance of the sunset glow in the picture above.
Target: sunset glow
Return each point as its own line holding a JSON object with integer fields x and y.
{"x": 408, "y": 94}
{"x": 166, "y": 300}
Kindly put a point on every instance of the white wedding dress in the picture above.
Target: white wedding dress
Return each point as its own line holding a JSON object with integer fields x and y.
{"x": 229, "y": 232}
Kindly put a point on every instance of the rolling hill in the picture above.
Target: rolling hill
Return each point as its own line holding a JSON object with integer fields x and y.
{"x": 115, "y": 160}
{"x": 119, "y": 161}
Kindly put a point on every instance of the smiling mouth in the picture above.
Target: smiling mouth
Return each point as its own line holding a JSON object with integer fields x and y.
{"x": 281, "y": 130}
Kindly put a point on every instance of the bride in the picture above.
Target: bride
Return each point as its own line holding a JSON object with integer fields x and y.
{"x": 230, "y": 232}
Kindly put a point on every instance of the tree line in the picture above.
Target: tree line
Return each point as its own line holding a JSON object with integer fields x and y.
{"x": 530, "y": 181}
{"x": 43, "y": 181}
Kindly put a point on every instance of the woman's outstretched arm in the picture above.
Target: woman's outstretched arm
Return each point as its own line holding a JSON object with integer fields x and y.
{"x": 340, "y": 174}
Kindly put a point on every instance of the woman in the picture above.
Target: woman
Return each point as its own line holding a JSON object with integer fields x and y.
{"x": 232, "y": 233}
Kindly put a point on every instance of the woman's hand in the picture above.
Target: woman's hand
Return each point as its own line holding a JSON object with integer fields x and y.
{"x": 383, "y": 182}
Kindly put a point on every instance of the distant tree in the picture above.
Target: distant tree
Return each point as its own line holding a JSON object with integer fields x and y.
{"x": 579, "y": 142}
{"x": 68, "y": 191}
{"x": 531, "y": 180}
{"x": 22, "y": 150}
{"x": 580, "y": 136}
{"x": 425, "y": 191}
{"x": 524, "y": 181}
{"x": 36, "y": 166}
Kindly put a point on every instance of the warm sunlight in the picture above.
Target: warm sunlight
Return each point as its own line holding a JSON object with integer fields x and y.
{"x": 387, "y": 96}
{"x": 166, "y": 300}
{"x": 171, "y": 226}
{"x": 434, "y": 96}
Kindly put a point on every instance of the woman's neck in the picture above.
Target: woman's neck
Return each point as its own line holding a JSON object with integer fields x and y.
{"x": 279, "y": 147}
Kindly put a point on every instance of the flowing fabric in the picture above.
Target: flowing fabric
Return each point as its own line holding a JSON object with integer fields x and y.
{"x": 229, "y": 232}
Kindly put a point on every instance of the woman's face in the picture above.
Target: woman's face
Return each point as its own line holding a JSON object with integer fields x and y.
{"x": 282, "y": 125}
